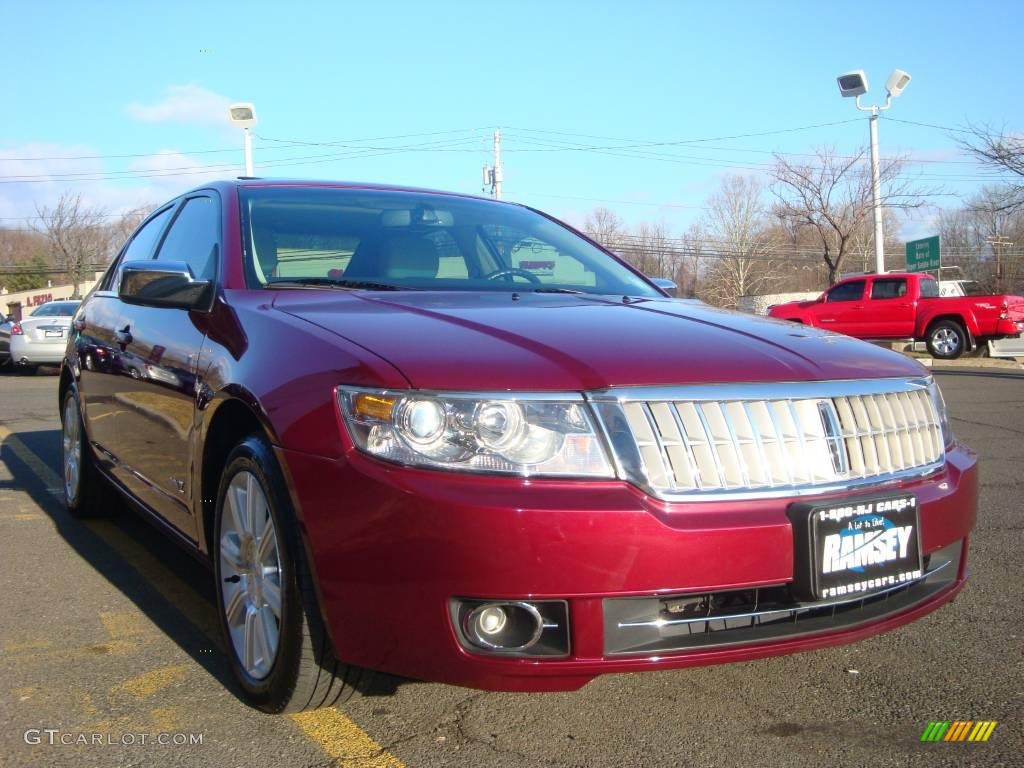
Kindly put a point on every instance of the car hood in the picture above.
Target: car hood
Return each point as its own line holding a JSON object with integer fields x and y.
{"x": 538, "y": 342}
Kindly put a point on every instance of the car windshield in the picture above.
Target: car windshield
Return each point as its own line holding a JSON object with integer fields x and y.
{"x": 56, "y": 309}
{"x": 388, "y": 240}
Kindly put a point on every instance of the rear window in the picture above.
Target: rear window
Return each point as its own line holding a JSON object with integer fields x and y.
{"x": 56, "y": 309}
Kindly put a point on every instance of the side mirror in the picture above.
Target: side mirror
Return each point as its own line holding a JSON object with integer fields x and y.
{"x": 667, "y": 286}
{"x": 165, "y": 284}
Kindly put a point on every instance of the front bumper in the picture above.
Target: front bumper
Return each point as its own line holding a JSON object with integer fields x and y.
{"x": 390, "y": 546}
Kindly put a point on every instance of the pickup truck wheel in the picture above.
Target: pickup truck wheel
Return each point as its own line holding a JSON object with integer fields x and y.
{"x": 946, "y": 340}
{"x": 276, "y": 641}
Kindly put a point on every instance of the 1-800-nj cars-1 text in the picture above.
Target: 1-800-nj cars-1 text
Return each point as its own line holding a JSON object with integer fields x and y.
{"x": 453, "y": 439}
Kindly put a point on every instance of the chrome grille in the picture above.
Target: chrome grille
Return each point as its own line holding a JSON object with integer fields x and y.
{"x": 748, "y": 438}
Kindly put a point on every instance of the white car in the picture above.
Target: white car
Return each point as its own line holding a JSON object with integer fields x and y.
{"x": 40, "y": 339}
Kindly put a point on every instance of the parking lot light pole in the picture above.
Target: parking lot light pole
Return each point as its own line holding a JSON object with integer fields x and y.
{"x": 244, "y": 116}
{"x": 855, "y": 84}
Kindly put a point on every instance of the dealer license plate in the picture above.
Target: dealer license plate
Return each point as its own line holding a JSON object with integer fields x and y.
{"x": 855, "y": 546}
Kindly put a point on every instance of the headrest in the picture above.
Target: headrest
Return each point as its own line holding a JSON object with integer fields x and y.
{"x": 408, "y": 255}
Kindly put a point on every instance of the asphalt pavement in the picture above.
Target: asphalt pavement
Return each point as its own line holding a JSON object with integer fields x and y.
{"x": 107, "y": 636}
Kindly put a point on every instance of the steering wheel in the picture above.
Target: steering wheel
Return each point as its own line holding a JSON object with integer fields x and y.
{"x": 513, "y": 271}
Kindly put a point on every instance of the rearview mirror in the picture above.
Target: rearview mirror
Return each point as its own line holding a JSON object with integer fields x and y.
{"x": 164, "y": 284}
{"x": 667, "y": 286}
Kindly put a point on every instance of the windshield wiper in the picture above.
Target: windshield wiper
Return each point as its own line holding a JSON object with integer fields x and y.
{"x": 556, "y": 290}
{"x": 333, "y": 282}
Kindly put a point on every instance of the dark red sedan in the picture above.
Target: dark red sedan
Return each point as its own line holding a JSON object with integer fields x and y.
{"x": 452, "y": 439}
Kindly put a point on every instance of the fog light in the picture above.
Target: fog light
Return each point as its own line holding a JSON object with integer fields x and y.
{"x": 491, "y": 619}
{"x": 504, "y": 626}
{"x": 513, "y": 627}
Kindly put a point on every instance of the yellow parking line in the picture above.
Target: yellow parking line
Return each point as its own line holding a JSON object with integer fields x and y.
{"x": 344, "y": 741}
{"x": 148, "y": 683}
{"x": 336, "y": 734}
{"x": 123, "y": 624}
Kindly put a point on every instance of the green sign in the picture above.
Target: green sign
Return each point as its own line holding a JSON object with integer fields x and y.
{"x": 923, "y": 255}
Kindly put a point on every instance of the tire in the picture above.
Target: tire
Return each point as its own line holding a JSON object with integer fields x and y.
{"x": 946, "y": 340}
{"x": 86, "y": 492}
{"x": 259, "y": 561}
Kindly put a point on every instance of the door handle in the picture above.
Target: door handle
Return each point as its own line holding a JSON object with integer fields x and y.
{"x": 124, "y": 336}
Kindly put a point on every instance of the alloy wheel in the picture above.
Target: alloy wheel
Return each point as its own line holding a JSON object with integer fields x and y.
{"x": 946, "y": 341}
{"x": 71, "y": 440}
{"x": 251, "y": 575}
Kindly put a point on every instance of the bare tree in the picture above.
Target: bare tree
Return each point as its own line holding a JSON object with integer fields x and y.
{"x": 78, "y": 236}
{"x": 648, "y": 248}
{"x": 833, "y": 198}
{"x": 1000, "y": 151}
{"x": 985, "y": 239}
{"x": 605, "y": 226}
{"x": 126, "y": 224}
{"x": 737, "y": 222}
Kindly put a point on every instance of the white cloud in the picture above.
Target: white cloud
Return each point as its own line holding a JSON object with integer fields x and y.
{"x": 113, "y": 185}
{"x": 183, "y": 104}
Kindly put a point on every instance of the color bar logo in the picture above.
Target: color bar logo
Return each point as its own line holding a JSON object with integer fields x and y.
{"x": 958, "y": 730}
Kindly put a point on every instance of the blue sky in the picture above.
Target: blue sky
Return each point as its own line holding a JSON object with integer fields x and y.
{"x": 101, "y": 79}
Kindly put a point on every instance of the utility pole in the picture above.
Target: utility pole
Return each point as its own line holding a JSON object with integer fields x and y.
{"x": 997, "y": 242}
{"x": 493, "y": 174}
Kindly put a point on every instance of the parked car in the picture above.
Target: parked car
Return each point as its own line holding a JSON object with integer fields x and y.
{"x": 398, "y": 448}
{"x": 908, "y": 306}
{"x": 5, "y": 340}
{"x": 40, "y": 338}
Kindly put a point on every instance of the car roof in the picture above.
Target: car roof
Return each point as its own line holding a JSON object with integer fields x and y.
{"x": 258, "y": 182}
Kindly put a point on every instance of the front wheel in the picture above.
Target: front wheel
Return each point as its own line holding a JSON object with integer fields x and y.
{"x": 946, "y": 340}
{"x": 276, "y": 640}
{"x": 86, "y": 493}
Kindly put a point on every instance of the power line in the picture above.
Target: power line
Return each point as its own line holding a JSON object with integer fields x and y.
{"x": 291, "y": 142}
{"x": 926, "y": 125}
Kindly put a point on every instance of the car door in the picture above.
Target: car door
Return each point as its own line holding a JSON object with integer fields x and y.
{"x": 96, "y": 345}
{"x": 842, "y": 310}
{"x": 162, "y": 346}
{"x": 890, "y": 312}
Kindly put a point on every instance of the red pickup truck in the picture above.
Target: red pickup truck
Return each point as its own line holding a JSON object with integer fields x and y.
{"x": 908, "y": 306}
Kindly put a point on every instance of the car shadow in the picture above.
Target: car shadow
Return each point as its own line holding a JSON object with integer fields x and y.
{"x": 168, "y": 584}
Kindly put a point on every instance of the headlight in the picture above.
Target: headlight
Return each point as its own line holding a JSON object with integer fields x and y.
{"x": 515, "y": 434}
{"x": 941, "y": 412}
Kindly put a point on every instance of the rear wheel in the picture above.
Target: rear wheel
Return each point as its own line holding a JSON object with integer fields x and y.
{"x": 946, "y": 340}
{"x": 277, "y": 643}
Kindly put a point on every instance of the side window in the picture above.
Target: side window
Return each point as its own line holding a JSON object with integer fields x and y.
{"x": 140, "y": 247}
{"x": 929, "y": 289}
{"x": 853, "y": 291}
{"x": 889, "y": 288}
{"x": 194, "y": 236}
